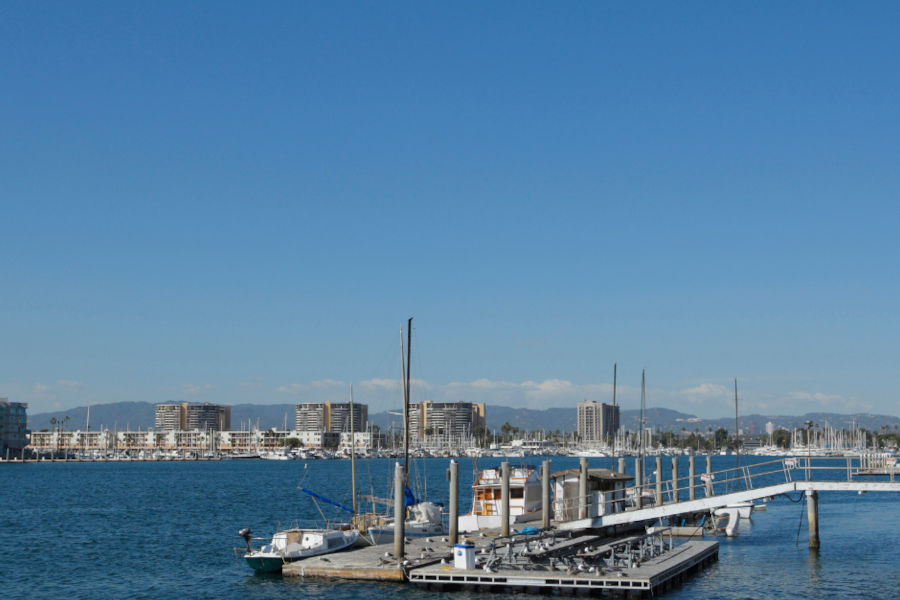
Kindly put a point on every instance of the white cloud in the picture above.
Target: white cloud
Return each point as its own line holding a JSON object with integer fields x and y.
{"x": 192, "y": 389}
{"x": 68, "y": 383}
{"x": 40, "y": 388}
{"x": 704, "y": 393}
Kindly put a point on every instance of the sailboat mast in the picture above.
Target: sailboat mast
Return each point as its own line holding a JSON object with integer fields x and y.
{"x": 352, "y": 452}
{"x": 737, "y": 431}
{"x": 643, "y": 425}
{"x": 615, "y": 428}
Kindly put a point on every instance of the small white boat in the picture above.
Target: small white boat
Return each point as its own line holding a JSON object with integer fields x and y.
{"x": 728, "y": 520}
{"x": 744, "y": 509}
{"x": 291, "y": 545}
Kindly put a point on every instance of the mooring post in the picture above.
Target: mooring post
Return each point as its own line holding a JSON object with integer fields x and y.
{"x": 504, "y": 498}
{"x": 399, "y": 512}
{"x": 675, "y": 479}
{"x": 692, "y": 491}
{"x": 710, "y": 490}
{"x": 622, "y": 465}
{"x": 545, "y": 494}
{"x": 812, "y": 517}
{"x": 454, "y": 502}
{"x": 659, "y": 498}
{"x": 638, "y": 484}
{"x": 582, "y": 488}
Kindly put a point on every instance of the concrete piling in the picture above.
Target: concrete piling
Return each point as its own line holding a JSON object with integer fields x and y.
{"x": 454, "y": 502}
{"x": 812, "y": 517}
{"x": 399, "y": 511}
{"x": 659, "y": 495}
{"x": 710, "y": 490}
{"x": 545, "y": 494}
{"x": 582, "y": 488}
{"x": 638, "y": 484}
{"x": 692, "y": 463}
{"x": 504, "y": 498}
{"x": 622, "y": 465}
{"x": 674, "y": 479}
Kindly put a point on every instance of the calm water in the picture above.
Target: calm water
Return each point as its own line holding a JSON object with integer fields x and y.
{"x": 167, "y": 529}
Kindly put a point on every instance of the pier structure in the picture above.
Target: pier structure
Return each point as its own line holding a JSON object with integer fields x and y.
{"x": 716, "y": 490}
{"x": 636, "y": 566}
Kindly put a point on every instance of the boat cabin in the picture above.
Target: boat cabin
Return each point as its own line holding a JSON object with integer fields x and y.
{"x": 605, "y": 493}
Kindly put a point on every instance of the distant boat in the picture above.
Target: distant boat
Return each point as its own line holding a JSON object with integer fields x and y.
{"x": 291, "y": 545}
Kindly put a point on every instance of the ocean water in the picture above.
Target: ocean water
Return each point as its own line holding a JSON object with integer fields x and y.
{"x": 168, "y": 529}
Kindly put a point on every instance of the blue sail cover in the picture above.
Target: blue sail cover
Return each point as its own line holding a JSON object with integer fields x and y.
{"x": 324, "y": 499}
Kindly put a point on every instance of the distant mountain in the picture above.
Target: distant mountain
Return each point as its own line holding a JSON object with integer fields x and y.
{"x": 141, "y": 415}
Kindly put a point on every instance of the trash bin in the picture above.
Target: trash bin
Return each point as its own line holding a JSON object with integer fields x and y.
{"x": 464, "y": 556}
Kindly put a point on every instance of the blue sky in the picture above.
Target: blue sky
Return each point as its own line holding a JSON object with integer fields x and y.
{"x": 243, "y": 203}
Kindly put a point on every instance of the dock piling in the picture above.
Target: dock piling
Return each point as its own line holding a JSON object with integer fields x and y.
{"x": 399, "y": 512}
{"x": 692, "y": 492}
{"x": 710, "y": 490}
{"x": 504, "y": 498}
{"x": 675, "y": 479}
{"x": 659, "y": 497}
{"x": 812, "y": 517}
{"x": 454, "y": 502}
{"x": 622, "y": 465}
{"x": 638, "y": 484}
{"x": 545, "y": 494}
{"x": 582, "y": 488}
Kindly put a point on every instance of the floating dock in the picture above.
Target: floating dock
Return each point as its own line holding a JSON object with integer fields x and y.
{"x": 637, "y": 566}
{"x": 648, "y": 578}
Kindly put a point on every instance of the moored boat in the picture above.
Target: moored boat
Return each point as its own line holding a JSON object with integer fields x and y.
{"x": 524, "y": 499}
{"x": 295, "y": 544}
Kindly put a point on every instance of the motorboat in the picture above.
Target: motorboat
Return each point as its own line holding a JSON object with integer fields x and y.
{"x": 524, "y": 499}
{"x": 290, "y": 545}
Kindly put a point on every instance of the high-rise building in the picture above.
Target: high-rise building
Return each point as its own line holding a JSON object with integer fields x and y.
{"x": 169, "y": 417}
{"x": 188, "y": 417}
{"x": 330, "y": 416}
{"x": 445, "y": 419}
{"x": 13, "y": 424}
{"x": 597, "y": 421}
{"x": 207, "y": 417}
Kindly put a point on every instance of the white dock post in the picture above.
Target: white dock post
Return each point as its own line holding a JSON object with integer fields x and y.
{"x": 675, "y": 479}
{"x": 692, "y": 492}
{"x": 504, "y": 498}
{"x": 399, "y": 512}
{"x": 582, "y": 488}
{"x": 622, "y": 465}
{"x": 812, "y": 518}
{"x": 710, "y": 490}
{"x": 638, "y": 484}
{"x": 545, "y": 494}
{"x": 659, "y": 498}
{"x": 454, "y": 502}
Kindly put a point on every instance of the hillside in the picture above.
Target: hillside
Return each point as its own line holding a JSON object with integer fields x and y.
{"x": 135, "y": 415}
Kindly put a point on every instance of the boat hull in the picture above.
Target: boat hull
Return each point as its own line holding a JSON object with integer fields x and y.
{"x": 265, "y": 564}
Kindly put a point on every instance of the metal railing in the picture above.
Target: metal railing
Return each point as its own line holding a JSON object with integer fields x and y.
{"x": 706, "y": 484}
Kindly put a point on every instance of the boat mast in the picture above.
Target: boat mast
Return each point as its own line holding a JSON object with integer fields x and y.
{"x": 737, "y": 445}
{"x": 612, "y": 466}
{"x": 643, "y": 425}
{"x": 352, "y": 452}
